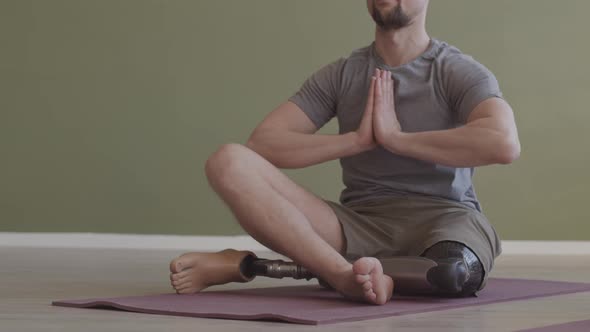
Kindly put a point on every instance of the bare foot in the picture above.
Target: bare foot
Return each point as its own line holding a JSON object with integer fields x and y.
{"x": 365, "y": 282}
{"x": 195, "y": 271}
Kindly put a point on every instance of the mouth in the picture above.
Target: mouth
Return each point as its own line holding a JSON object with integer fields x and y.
{"x": 383, "y": 4}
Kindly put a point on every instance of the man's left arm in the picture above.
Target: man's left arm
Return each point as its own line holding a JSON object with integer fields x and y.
{"x": 488, "y": 137}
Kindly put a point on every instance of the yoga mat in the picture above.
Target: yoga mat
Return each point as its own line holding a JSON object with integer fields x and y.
{"x": 579, "y": 326}
{"x": 315, "y": 305}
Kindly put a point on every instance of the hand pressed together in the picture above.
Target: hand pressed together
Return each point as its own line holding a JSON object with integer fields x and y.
{"x": 385, "y": 124}
{"x": 379, "y": 124}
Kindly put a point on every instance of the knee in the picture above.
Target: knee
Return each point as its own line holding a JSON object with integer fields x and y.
{"x": 460, "y": 273}
{"x": 225, "y": 160}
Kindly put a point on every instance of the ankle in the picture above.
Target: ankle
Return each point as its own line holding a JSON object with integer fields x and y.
{"x": 337, "y": 274}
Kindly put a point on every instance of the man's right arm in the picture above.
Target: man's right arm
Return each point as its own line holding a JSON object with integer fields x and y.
{"x": 286, "y": 138}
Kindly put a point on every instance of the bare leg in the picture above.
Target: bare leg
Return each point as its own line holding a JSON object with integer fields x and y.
{"x": 289, "y": 220}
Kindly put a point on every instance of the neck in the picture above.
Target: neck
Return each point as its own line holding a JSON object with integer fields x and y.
{"x": 397, "y": 47}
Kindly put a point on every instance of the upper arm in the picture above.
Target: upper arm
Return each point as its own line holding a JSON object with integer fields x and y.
{"x": 289, "y": 117}
{"x": 312, "y": 106}
{"x": 495, "y": 114}
{"x": 467, "y": 83}
{"x": 495, "y": 117}
{"x": 318, "y": 96}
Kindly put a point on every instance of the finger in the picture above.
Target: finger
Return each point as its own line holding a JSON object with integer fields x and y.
{"x": 378, "y": 90}
{"x": 393, "y": 91}
{"x": 392, "y": 82}
{"x": 390, "y": 87}
{"x": 384, "y": 84}
{"x": 371, "y": 97}
{"x": 385, "y": 79}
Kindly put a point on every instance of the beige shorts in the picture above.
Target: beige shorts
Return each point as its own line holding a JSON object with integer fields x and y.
{"x": 408, "y": 225}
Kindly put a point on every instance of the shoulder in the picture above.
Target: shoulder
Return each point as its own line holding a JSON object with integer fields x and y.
{"x": 343, "y": 71}
{"x": 361, "y": 54}
{"x": 357, "y": 58}
{"x": 452, "y": 61}
{"x": 353, "y": 67}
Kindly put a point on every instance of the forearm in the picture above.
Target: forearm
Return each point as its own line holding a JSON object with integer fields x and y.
{"x": 287, "y": 149}
{"x": 459, "y": 147}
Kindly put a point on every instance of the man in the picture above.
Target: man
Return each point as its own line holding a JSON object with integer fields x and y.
{"x": 416, "y": 116}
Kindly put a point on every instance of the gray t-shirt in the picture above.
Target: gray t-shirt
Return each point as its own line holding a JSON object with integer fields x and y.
{"x": 435, "y": 91}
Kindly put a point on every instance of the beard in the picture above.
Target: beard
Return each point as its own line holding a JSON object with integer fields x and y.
{"x": 394, "y": 20}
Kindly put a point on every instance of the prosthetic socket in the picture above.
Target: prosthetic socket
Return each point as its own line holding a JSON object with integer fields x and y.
{"x": 446, "y": 269}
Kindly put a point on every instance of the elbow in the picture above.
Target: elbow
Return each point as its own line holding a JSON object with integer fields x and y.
{"x": 258, "y": 149}
{"x": 250, "y": 144}
{"x": 508, "y": 152}
{"x": 273, "y": 158}
{"x": 257, "y": 145}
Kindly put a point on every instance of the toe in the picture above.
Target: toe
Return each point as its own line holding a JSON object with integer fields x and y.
{"x": 362, "y": 278}
{"x": 180, "y": 275}
{"x": 186, "y": 290}
{"x": 364, "y": 265}
{"x": 383, "y": 297}
{"x": 183, "y": 285}
{"x": 367, "y": 286}
{"x": 175, "y": 276}
{"x": 370, "y": 295}
{"x": 175, "y": 265}
{"x": 385, "y": 289}
{"x": 380, "y": 300}
{"x": 180, "y": 282}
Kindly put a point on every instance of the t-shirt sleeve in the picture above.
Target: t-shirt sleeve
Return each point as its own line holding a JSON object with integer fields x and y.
{"x": 319, "y": 94}
{"x": 468, "y": 83}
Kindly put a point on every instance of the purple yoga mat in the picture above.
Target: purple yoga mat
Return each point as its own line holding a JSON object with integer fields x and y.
{"x": 579, "y": 326}
{"x": 316, "y": 305}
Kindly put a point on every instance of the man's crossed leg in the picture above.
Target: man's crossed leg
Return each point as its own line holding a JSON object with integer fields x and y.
{"x": 287, "y": 219}
{"x": 303, "y": 227}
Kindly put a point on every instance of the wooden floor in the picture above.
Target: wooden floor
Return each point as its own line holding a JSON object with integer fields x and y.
{"x": 31, "y": 278}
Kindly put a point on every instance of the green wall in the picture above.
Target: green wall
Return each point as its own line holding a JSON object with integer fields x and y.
{"x": 110, "y": 108}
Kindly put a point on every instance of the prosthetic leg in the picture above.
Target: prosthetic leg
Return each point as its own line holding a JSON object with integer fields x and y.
{"x": 446, "y": 269}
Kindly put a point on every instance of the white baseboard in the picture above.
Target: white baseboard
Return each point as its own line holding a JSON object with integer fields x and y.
{"x": 546, "y": 247}
{"x": 129, "y": 241}
{"x": 242, "y": 242}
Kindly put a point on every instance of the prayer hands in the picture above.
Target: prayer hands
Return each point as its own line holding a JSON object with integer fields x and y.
{"x": 385, "y": 123}
{"x": 379, "y": 124}
{"x": 365, "y": 136}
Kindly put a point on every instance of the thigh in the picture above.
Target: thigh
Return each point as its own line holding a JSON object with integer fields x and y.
{"x": 321, "y": 217}
{"x": 368, "y": 231}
